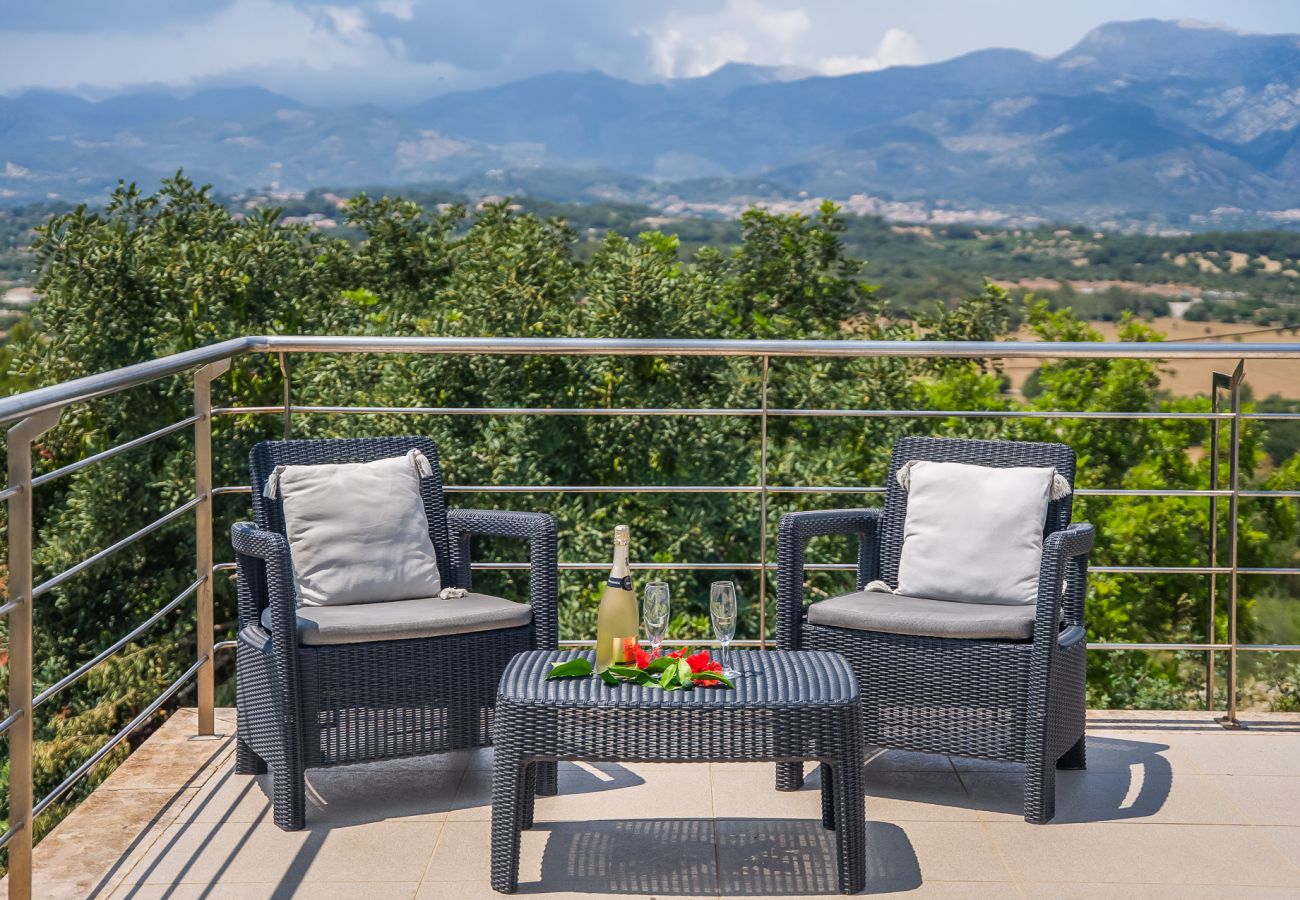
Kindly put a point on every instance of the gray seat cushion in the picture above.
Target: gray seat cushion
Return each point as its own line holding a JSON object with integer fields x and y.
{"x": 900, "y": 614}
{"x": 395, "y": 620}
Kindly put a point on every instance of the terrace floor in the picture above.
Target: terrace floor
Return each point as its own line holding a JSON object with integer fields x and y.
{"x": 1171, "y": 806}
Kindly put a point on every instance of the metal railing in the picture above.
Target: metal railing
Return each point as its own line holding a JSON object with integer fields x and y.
{"x": 36, "y": 412}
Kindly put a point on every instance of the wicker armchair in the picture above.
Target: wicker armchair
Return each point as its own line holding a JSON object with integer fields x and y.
{"x": 1014, "y": 700}
{"x": 303, "y": 707}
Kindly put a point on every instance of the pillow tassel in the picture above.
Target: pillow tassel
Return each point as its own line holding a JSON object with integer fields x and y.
{"x": 878, "y": 587}
{"x": 904, "y": 475}
{"x": 1060, "y": 486}
{"x": 420, "y": 462}
{"x": 272, "y": 489}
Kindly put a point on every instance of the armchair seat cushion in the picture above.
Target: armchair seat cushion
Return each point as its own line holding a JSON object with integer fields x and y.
{"x": 901, "y": 614}
{"x": 395, "y": 620}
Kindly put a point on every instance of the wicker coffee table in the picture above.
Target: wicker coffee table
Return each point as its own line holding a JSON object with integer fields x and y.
{"x": 787, "y": 707}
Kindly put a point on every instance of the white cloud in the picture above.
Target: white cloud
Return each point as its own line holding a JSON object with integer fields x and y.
{"x": 398, "y": 9}
{"x": 687, "y": 45}
{"x": 324, "y": 52}
{"x": 896, "y": 48}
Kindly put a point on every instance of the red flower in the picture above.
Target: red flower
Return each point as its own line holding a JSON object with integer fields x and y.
{"x": 677, "y": 654}
{"x": 630, "y": 647}
{"x": 642, "y": 658}
{"x": 700, "y": 662}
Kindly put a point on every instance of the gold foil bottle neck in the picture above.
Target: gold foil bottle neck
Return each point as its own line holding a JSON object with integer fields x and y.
{"x": 622, "y": 535}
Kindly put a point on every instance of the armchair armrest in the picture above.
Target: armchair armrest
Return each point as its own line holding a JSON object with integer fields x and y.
{"x": 538, "y": 529}
{"x": 265, "y": 580}
{"x": 792, "y": 537}
{"x": 1063, "y": 580}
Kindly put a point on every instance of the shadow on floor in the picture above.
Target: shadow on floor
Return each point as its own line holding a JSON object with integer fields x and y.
{"x": 1125, "y": 779}
{"x": 734, "y": 857}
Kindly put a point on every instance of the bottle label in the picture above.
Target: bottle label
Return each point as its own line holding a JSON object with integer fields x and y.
{"x": 625, "y": 582}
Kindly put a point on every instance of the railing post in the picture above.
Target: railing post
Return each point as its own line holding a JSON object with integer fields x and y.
{"x": 1219, "y": 381}
{"x": 762, "y": 514}
{"x": 286, "y": 388}
{"x": 206, "y": 683}
{"x": 20, "y": 439}
{"x": 1229, "y": 719}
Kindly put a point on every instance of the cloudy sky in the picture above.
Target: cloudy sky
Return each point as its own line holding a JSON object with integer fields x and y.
{"x": 396, "y": 51}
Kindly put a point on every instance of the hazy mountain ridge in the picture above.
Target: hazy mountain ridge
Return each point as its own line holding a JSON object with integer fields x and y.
{"x": 1139, "y": 119}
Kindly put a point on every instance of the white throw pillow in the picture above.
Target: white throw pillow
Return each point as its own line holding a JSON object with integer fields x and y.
{"x": 357, "y": 531}
{"x": 974, "y": 533}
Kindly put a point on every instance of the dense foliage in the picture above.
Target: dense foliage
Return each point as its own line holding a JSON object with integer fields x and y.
{"x": 153, "y": 275}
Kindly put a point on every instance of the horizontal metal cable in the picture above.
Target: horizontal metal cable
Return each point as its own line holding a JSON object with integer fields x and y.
{"x": 1270, "y": 648}
{"x": 77, "y": 674}
{"x": 9, "y": 722}
{"x": 11, "y": 492}
{"x": 988, "y": 414}
{"x": 10, "y": 606}
{"x": 492, "y": 411}
{"x": 1271, "y": 416}
{"x": 715, "y": 411}
{"x": 1154, "y": 645}
{"x": 113, "y": 451}
{"x": 1268, "y": 570}
{"x": 780, "y": 489}
{"x": 81, "y": 770}
{"x": 80, "y": 567}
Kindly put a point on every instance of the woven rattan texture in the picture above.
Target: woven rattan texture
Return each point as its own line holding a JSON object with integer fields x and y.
{"x": 786, "y": 706}
{"x": 1021, "y": 701}
{"x": 305, "y": 707}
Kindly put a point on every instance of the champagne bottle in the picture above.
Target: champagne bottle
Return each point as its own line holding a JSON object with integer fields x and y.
{"x": 617, "y": 621}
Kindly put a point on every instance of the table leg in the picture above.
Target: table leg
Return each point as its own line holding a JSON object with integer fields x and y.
{"x": 828, "y": 795}
{"x": 850, "y": 824}
{"x": 528, "y": 796}
{"x": 548, "y": 778}
{"x": 508, "y": 786}
{"x": 789, "y": 776}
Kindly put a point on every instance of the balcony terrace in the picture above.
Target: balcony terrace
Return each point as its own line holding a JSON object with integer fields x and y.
{"x": 1182, "y": 804}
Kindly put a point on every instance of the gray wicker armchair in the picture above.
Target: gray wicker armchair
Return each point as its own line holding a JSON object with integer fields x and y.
{"x": 1019, "y": 700}
{"x": 307, "y": 706}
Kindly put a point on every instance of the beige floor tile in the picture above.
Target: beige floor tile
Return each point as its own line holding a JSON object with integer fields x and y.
{"x": 1145, "y": 796}
{"x": 473, "y": 801}
{"x": 797, "y": 857}
{"x": 646, "y": 790}
{"x": 463, "y": 853}
{"x": 1287, "y": 841}
{"x": 1142, "y": 854}
{"x": 199, "y": 852}
{"x": 1264, "y": 800}
{"x": 1155, "y": 892}
{"x": 882, "y": 760}
{"x": 621, "y": 856}
{"x": 401, "y": 789}
{"x": 268, "y": 891}
{"x": 917, "y": 796}
{"x": 753, "y": 795}
{"x": 954, "y": 851}
{"x": 1239, "y": 753}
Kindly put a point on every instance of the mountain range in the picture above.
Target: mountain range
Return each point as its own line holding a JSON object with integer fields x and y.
{"x": 1150, "y": 120}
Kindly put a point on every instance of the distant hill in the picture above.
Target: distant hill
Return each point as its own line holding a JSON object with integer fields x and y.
{"x": 1162, "y": 122}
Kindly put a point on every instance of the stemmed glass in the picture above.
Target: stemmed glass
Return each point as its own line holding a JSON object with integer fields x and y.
{"x": 722, "y": 609}
{"x": 654, "y": 612}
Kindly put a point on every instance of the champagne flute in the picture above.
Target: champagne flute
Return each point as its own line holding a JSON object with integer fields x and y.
{"x": 654, "y": 612}
{"x": 722, "y": 609}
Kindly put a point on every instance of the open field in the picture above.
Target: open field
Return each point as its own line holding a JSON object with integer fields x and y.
{"x": 1265, "y": 377}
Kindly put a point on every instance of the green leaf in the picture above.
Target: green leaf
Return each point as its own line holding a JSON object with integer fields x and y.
{"x": 668, "y": 679}
{"x": 609, "y": 678}
{"x": 660, "y": 664}
{"x": 631, "y": 673}
{"x": 579, "y": 667}
{"x": 712, "y": 677}
{"x": 683, "y": 671}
